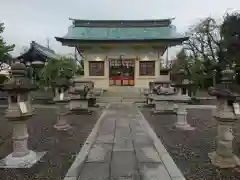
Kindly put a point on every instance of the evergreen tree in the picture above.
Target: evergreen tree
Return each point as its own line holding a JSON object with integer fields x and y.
{"x": 4, "y": 48}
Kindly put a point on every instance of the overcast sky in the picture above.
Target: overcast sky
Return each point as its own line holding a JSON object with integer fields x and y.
{"x": 27, "y": 20}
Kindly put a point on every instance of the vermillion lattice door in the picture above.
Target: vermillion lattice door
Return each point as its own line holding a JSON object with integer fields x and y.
{"x": 121, "y": 72}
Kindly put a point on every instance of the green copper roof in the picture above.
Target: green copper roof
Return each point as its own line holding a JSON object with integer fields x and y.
{"x": 78, "y": 32}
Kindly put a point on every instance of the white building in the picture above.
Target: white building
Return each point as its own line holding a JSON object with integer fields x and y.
{"x": 122, "y": 52}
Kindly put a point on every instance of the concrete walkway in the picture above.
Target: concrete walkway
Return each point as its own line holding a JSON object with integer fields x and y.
{"x": 125, "y": 147}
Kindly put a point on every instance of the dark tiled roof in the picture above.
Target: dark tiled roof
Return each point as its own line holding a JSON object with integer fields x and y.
{"x": 37, "y": 50}
{"x": 49, "y": 53}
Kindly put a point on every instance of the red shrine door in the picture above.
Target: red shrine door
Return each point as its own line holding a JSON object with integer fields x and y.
{"x": 121, "y": 72}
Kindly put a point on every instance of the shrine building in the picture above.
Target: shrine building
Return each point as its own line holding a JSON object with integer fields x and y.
{"x": 122, "y": 52}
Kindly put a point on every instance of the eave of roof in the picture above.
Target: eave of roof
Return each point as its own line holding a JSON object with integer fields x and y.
{"x": 63, "y": 39}
{"x": 122, "y": 20}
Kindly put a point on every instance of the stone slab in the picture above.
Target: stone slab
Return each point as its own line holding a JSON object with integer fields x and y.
{"x": 122, "y": 132}
{"x": 122, "y": 123}
{"x": 95, "y": 171}
{"x": 107, "y": 126}
{"x": 147, "y": 154}
{"x": 123, "y": 144}
{"x": 124, "y": 166}
{"x": 134, "y": 145}
{"x": 73, "y": 171}
{"x": 105, "y": 138}
{"x": 153, "y": 171}
{"x": 100, "y": 153}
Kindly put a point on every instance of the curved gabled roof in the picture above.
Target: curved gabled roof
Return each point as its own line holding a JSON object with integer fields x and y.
{"x": 39, "y": 50}
{"x": 121, "y": 30}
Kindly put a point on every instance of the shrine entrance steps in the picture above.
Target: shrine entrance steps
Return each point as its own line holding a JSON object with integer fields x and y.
{"x": 122, "y": 145}
{"x": 122, "y": 94}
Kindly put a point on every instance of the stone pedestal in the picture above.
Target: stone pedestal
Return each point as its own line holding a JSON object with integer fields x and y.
{"x": 83, "y": 103}
{"x": 26, "y": 161}
{"x": 21, "y": 157}
{"x": 79, "y": 106}
{"x": 20, "y": 138}
{"x": 182, "y": 123}
{"x": 164, "y": 104}
{"x": 62, "y": 112}
{"x": 223, "y": 157}
{"x": 74, "y": 102}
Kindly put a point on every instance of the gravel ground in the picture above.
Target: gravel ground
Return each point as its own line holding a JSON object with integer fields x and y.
{"x": 61, "y": 147}
{"x": 190, "y": 150}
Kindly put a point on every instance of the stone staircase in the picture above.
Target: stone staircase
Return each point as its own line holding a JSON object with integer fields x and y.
{"x": 121, "y": 94}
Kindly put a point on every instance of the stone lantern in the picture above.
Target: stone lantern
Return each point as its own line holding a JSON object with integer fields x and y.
{"x": 90, "y": 91}
{"x": 226, "y": 114}
{"x": 61, "y": 99}
{"x": 80, "y": 97}
{"x": 154, "y": 90}
{"x": 35, "y": 65}
{"x": 181, "y": 100}
{"x": 179, "y": 81}
{"x": 18, "y": 112}
{"x": 165, "y": 71}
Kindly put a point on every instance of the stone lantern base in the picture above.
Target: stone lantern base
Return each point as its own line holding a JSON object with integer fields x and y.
{"x": 21, "y": 162}
{"x": 62, "y": 123}
{"x": 224, "y": 157}
{"x": 224, "y": 162}
{"x": 62, "y": 112}
{"x": 21, "y": 157}
{"x": 182, "y": 123}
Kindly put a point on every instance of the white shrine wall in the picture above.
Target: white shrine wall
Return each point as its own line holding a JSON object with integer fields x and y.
{"x": 146, "y": 54}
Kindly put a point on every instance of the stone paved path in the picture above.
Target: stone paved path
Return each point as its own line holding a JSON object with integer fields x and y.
{"x": 124, "y": 149}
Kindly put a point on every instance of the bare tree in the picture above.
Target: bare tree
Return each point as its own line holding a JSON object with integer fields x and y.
{"x": 204, "y": 40}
